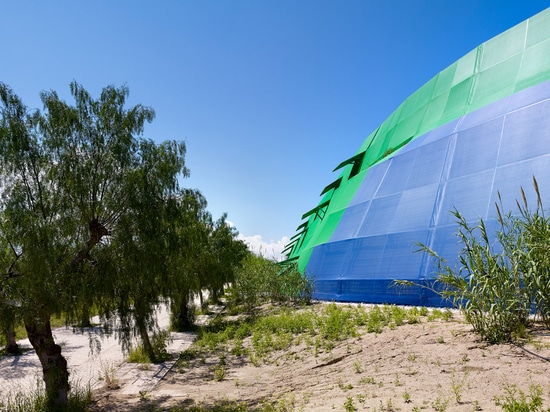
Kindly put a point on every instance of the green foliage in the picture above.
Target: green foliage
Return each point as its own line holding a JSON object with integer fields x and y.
{"x": 252, "y": 282}
{"x": 138, "y": 355}
{"x": 349, "y": 405}
{"x": 516, "y": 400}
{"x": 440, "y": 404}
{"x": 92, "y": 216}
{"x": 159, "y": 342}
{"x": 259, "y": 280}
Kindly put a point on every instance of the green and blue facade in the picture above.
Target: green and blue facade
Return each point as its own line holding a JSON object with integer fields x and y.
{"x": 478, "y": 128}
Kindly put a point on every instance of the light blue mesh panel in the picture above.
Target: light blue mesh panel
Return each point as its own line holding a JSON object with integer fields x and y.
{"x": 400, "y": 260}
{"x": 497, "y": 109}
{"x": 529, "y": 96}
{"x": 415, "y": 209}
{"x": 349, "y": 226}
{"x": 366, "y": 255}
{"x": 474, "y": 154}
{"x": 397, "y": 175}
{"x": 469, "y": 195}
{"x": 510, "y": 178}
{"x": 428, "y": 164}
{"x": 371, "y": 183}
{"x": 329, "y": 259}
{"x": 527, "y": 133}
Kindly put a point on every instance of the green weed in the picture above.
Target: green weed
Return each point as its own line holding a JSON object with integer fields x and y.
{"x": 349, "y": 406}
{"x": 138, "y": 355}
{"x": 516, "y": 400}
{"x": 440, "y": 404}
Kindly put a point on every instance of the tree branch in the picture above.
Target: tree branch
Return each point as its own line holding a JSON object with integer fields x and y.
{"x": 97, "y": 232}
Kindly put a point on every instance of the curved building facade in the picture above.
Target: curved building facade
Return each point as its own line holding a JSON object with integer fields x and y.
{"x": 478, "y": 128}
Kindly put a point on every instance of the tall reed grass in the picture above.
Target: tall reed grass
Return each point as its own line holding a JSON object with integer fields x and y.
{"x": 500, "y": 281}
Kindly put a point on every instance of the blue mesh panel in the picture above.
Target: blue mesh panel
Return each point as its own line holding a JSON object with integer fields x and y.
{"x": 350, "y": 222}
{"x": 397, "y": 174}
{"x": 428, "y": 164}
{"x": 469, "y": 195}
{"x": 329, "y": 259}
{"x": 400, "y": 260}
{"x": 371, "y": 183}
{"x": 510, "y": 178}
{"x": 415, "y": 209}
{"x": 366, "y": 255}
{"x": 473, "y": 153}
{"x": 445, "y": 242}
{"x": 380, "y": 217}
{"x": 492, "y": 111}
{"x": 527, "y": 133}
{"x": 529, "y": 96}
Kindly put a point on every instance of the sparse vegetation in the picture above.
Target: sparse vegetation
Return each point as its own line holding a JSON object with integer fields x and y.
{"x": 280, "y": 327}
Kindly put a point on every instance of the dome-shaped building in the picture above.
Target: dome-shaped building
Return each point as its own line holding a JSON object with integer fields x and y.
{"x": 479, "y": 127}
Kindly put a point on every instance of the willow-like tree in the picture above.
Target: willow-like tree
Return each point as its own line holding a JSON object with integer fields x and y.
{"x": 79, "y": 189}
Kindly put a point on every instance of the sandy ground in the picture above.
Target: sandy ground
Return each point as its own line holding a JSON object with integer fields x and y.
{"x": 437, "y": 365}
{"x": 93, "y": 358}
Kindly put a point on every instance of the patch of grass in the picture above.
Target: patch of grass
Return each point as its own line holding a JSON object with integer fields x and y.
{"x": 369, "y": 380}
{"x": 319, "y": 327}
{"x": 219, "y": 406}
{"x": 457, "y": 386}
{"x": 138, "y": 355}
{"x": 440, "y": 404}
{"x": 516, "y": 400}
{"x": 219, "y": 373}
{"x": 108, "y": 375}
{"x": 344, "y": 387}
{"x": 79, "y": 400}
{"x": 159, "y": 342}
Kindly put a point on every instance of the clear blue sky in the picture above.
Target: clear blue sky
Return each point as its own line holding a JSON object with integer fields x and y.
{"x": 268, "y": 95}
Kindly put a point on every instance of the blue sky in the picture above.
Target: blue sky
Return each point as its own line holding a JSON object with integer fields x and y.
{"x": 269, "y": 96}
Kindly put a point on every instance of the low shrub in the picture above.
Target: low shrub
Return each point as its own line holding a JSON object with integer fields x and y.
{"x": 260, "y": 280}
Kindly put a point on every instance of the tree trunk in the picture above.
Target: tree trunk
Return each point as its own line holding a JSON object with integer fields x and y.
{"x": 215, "y": 294}
{"x": 182, "y": 316}
{"x": 85, "y": 317}
{"x": 54, "y": 365}
{"x": 145, "y": 341}
{"x": 11, "y": 347}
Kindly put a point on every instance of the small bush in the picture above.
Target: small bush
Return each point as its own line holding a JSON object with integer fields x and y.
{"x": 160, "y": 343}
{"x": 138, "y": 355}
{"x": 259, "y": 280}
